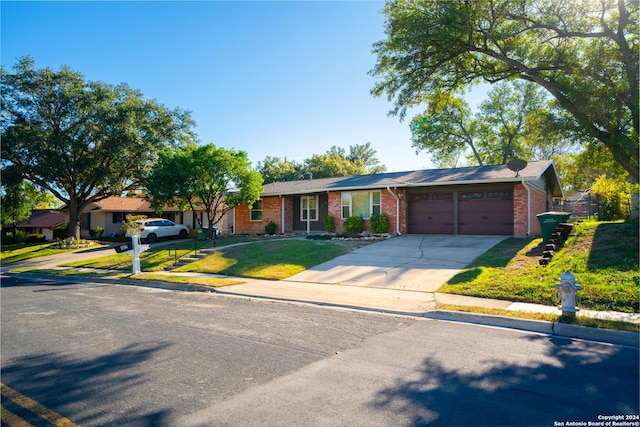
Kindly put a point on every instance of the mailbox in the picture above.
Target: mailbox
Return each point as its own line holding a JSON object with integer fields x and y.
{"x": 124, "y": 247}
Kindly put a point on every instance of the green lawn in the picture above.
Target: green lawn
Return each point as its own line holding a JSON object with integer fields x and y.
{"x": 154, "y": 259}
{"x": 602, "y": 255}
{"x": 269, "y": 259}
{"x": 273, "y": 259}
{"x": 23, "y": 252}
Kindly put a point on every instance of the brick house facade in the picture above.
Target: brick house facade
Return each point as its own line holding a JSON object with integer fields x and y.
{"x": 474, "y": 200}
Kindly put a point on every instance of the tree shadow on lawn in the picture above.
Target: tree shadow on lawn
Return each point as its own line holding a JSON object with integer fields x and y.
{"x": 497, "y": 257}
{"x": 494, "y": 392}
{"x": 615, "y": 245}
{"x": 88, "y": 390}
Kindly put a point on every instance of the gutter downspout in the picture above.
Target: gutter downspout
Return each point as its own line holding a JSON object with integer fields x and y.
{"x": 395, "y": 196}
{"x": 524, "y": 184}
{"x": 282, "y": 215}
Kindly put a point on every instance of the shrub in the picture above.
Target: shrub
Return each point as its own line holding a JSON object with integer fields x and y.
{"x": 35, "y": 238}
{"x": 271, "y": 228}
{"x": 99, "y": 232}
{"x": 379, "y": 223}
{"x": 329, "y": 224}
{"x": 354, "y": 225}
{"x": 59, "y": 233}
{"x": 10, "y": 239}
{"x": 615, "y": 198}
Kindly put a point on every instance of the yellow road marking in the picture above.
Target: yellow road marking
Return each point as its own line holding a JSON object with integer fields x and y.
{"x": 42, "y": 411}
{"x": 12, "y": 419}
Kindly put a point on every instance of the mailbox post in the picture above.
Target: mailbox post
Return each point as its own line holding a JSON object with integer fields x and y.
{"x": 133, "y": 248}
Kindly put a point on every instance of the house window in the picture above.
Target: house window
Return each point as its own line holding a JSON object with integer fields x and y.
{"x": 442, "y": 196}
{"x": 472, "y": 195}
{"x": 117, "y": 217}
{"x": 499, "y": 195}
{"x": 309, "y": 208}
{"x": 256, "y": 211}
{"x": 361, "y": 203}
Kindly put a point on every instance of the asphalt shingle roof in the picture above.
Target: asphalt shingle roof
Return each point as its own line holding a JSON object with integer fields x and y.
{"x": 45, "y": 218}
{"x": 420, "y": 178}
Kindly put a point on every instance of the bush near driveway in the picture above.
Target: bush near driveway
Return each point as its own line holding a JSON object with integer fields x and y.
{"x": 602, "y": 255}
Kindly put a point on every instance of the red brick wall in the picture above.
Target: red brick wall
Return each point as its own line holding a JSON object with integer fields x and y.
{"x": 335, "y": 209}
{"x": 270, "y": 212}
{"x": 538, "y": 205}
{"x": 388, "y": 207}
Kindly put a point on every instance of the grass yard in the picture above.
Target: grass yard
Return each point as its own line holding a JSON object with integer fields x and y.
{"x": 203, "y": 281}
{"x": 269, "y": 259}
{"x": 152, "y": 260}
{"x": 602, "y": 255}
{"x": 23, "y": 252}
{"x": 273, "y": 259}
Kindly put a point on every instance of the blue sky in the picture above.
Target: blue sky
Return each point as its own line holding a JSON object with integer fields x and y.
{"x": 286, "y": 79}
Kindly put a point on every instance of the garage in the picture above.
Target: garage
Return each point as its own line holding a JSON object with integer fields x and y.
{"x": 485, "y": 212}
{"x": 477, "y": 211}
{"x": 431, "y": 213}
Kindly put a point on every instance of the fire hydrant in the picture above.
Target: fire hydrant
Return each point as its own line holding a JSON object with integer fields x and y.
{"x": 568, "y": 288}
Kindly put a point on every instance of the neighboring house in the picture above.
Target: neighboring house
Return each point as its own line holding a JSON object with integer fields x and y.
{"x": 42, "y": 221}
{"x": 472, "y": 200}
{"x": 110, "y": 212}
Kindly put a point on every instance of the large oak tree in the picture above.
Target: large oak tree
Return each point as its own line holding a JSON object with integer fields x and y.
{"x": 584, "y": 53}
{"x": 82, "y": 140}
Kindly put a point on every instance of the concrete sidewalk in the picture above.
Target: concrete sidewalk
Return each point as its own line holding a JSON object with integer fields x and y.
{"x": 398, "y": 275}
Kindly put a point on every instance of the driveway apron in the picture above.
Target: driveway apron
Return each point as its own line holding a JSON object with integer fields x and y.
{"x": 410, "y": 262}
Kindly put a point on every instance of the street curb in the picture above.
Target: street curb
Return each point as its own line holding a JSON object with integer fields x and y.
{"x": 623, "y": 338}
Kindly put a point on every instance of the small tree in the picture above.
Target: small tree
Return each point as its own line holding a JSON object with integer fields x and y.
{"x": 130, "y": 223}
{"x": 215, "y": 178}
{"x": 615, "y": 198}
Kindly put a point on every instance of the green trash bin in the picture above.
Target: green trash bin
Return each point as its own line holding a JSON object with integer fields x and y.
{"x": 549, "y": 221}
{"x": 201, "y": 234}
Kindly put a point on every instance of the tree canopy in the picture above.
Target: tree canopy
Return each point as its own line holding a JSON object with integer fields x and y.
{"x": 81, "y": 140}
{"x": 360, "y": 160}
{"x": 515, "y": 121}
{"x": 19, "y": 198}
{"x": 217, "y": 178}
{"x": 584, "y": 53}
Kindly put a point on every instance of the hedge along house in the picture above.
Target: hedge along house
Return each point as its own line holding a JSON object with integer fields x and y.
{"x": 491, "y": 200}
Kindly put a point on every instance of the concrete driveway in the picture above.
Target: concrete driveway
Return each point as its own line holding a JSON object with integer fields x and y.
{"x": 410, "y": 262}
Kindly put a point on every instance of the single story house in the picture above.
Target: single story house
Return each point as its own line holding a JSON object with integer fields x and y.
{"x": 491, "y": 200}
{"x": 109, "y": 214}
{"x": 42, "y": 221}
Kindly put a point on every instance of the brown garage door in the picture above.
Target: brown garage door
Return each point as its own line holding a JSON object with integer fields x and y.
{"x": 485, "y": 212}
{"x": 431, "y": 213}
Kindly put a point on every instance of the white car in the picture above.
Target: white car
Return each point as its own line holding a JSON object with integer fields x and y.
{"x": 152, "y": 229}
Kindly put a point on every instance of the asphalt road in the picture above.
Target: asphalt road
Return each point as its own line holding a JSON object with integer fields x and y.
{"x": 119, "y": 355}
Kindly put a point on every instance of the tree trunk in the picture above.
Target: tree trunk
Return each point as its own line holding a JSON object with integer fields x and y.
{"x": 75, "y": 217}
{"x": 625, "y": 153}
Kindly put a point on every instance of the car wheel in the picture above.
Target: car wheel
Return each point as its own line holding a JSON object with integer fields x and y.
{"x": 182, "y": 234}
{"x": 152, "y": 238}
